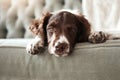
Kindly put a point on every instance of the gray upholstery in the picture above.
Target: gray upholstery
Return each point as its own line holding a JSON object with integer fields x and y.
{"x": 16, "y": 15}
{"x": 88, "y": 62}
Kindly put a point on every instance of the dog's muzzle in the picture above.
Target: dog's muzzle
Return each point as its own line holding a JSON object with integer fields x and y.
{"x": 62, "y": 49}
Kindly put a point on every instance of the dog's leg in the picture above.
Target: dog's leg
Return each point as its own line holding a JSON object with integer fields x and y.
{"x": 35, "y": 46}
{"x": 98, "y": 37}
{"x": 113, "y": 35}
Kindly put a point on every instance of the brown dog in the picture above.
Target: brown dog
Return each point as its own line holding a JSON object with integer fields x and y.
{"x": 61, "y": 31}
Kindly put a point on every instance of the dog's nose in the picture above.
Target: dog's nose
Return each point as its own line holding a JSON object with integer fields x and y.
{"x": 62, "y": 48}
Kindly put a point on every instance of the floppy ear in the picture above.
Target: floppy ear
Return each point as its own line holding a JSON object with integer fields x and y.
{"x": 83, "y": 28}
{"x": 38, "y": 27}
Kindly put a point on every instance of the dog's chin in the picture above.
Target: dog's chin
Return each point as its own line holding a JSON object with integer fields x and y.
{"x": 63, "y": 55}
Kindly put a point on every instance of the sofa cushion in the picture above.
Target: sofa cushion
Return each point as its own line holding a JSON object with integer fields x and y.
{"x": 88, "y": 62}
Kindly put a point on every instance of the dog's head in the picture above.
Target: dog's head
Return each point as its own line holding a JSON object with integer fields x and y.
{"x": 62, "y": 31}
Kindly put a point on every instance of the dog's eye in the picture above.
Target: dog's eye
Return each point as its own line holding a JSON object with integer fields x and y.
{"x": 71, "y": 29}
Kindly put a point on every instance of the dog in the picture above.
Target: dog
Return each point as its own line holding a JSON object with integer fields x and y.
{"x": 61, "y": 31}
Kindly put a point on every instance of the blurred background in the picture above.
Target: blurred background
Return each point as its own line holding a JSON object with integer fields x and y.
{"x": 16, "y": 15}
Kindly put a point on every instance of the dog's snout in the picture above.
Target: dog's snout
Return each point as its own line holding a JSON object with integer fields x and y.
{"x": 62, "y": 48}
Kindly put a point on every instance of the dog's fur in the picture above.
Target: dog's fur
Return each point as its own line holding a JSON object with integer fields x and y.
{"x": 61, "y": 31}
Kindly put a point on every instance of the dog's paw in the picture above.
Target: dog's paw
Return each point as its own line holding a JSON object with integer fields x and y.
{"x": 35, "y": 48}
{"x": 97, "y": 37}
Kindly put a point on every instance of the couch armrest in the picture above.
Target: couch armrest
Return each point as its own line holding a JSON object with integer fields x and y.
{"x": 88, "y": 62}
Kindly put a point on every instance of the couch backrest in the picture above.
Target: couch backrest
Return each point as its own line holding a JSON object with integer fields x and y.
{"x": 16, "y": 15}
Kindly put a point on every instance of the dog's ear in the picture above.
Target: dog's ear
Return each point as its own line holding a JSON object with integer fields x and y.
{"x": 34, "y": 26}
{"x": 84, "y": 28}
{"x": 38, "y": 27}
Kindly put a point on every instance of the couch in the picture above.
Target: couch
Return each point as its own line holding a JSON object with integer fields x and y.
{"x": 87, "y": 62}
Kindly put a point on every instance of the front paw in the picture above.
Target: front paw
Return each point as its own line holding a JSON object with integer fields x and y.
{"x": 35, "y": 48}
{"x": 97, "y": 37}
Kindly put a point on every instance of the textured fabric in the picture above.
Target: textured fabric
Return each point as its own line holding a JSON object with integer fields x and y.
{"x": 88, "y": 62}
{"x": 16, "y": 15}
{"x": 103, "y": 14}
